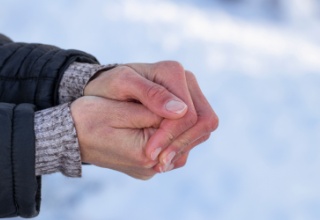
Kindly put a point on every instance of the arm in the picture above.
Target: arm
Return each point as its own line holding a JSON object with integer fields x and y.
{"x": 38, "y": 86}
{"x": 29, "y": 73}
{"x": 20, "y": 188}
{"x": 54, "y": 127}
{"x": 148, "y": 84}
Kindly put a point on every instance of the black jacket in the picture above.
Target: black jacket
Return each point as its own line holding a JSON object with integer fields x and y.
{"x": 29, "y": 80}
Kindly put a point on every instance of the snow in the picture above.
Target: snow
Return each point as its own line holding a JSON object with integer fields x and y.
{"x": 259, "y": 68}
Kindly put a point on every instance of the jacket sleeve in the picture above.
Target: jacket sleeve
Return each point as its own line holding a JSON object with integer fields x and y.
{"x": 19, "y": 187}
{"x": 30, "y": 75}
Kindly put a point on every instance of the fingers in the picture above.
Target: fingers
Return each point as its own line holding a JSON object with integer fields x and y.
{"x": 120, "y": 114}
{"x": 172, "y": 76}
{"x": 156, "y": 98}
{"x": 153, "y": 85}
{"x": 168, "y": 91}
{"x": 169, "y": 75}
{"x": 113, "y": 134}
{"x": 124, "y": 83}
{"x": 180, "y": 158}
{"x": 133, "y": 115}
{"x": 168, "y": 131}
{"x": 207, "y": 121}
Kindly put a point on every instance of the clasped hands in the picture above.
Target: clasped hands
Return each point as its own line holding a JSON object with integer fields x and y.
{"x": 142, "y": 119}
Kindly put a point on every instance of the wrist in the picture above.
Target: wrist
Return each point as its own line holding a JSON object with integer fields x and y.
{"x": 75, "y": 79}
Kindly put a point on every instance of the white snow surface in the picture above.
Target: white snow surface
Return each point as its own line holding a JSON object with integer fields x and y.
{"x": 258, "y": 65}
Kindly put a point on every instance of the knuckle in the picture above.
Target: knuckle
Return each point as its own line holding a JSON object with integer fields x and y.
{"x": 124, "y": 70}
{"x": 214, "y": 122}
{"x": 204, "y": 138}
{"x": 183, "y": 143}
{"x": 181, "y": 163}
{"x": 192, "y": 79}
{"x": 190, "y": 75}
{"x": 181, "y": 152}
{"x": 155, "y": 91}
{"x": 119, "y": 75}
{"x": 123, "y": 74}
{"x": 174, "y": 64}
{"x": 177, "y": 65}
{"x": 191, "y": 119}
{"x": 170, "y": 66}
{"x": 169, "y": 135}
{"x": 210, "y": 124}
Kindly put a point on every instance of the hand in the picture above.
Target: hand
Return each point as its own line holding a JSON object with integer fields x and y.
{"x": 113, "y": 134}
{"x": 123, "y": 83}
{"x": 178, "y": 137}
{"x": 155, "y": 85}
{"x": 176, "y": 154}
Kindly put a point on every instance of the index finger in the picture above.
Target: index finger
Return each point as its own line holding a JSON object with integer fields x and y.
{"x": 170, "y": 75}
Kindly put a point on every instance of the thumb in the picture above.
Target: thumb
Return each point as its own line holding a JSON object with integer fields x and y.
{"x": 124, "y": 84}
{"x": 133, "y": 115}
{"x": 156, "y": 98}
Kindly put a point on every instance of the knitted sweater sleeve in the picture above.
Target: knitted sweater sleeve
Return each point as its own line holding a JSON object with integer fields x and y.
{"x": 57, "y": 147}
{"x": 56, "y": 142}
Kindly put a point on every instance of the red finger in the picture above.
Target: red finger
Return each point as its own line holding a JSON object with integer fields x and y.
{"x": 206, "y": 123}
{"x": 172, "y": 76}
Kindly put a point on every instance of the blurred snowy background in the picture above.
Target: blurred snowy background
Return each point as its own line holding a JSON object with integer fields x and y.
{"x": 257, "y": 61}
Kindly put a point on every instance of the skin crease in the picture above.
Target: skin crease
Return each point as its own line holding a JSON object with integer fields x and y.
{"x": 154, "y": 85}
{"x": 113, "y": 134}
{"x": 207, "y": 121}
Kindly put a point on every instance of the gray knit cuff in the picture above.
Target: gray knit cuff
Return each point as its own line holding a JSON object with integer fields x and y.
{"x": 57, "y": 147}
{"x": 75, "y": 79}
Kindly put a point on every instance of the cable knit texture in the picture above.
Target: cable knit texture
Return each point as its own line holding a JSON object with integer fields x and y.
{"x": 56, "y": 142}
{"x": 57, "y": 147}
{"x": 75, "y": 80}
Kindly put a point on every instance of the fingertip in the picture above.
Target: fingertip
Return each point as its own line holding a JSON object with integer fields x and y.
{"x": 177, "y": 107}
{"x": 155, "y": 153}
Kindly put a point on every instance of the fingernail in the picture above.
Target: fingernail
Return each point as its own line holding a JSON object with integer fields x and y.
{"x": 155, "y": 153}
{"x": 166, "y": 168}
{"x": 167, "y": 161}
{"x": 176, "y": 106}
{"x": 169, "y": 168}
